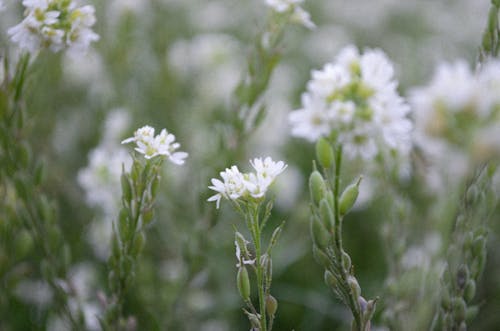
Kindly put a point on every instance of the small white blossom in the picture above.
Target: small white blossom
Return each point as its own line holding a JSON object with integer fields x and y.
{"x": 55, "y": 25}
{"x": 240, "y": 257}
{"x": 236, "y": 185}
{"x": 299, "y": 15}
{"x": 151, "y": 145}
{"x": 355, "y": 98}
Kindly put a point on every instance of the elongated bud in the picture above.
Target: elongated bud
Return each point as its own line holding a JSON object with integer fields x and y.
{"x": 317, "y": 187}
{"x": 348, "y": 197}
{"x": 318, "y": 233}
{"x": 271, "y": 305}
{"x": 353, "y": 283}
{"x": 324, "y": 153}
{"x": 327, "y": 215}
{"x": 321, "y": 257}
{"x": 138, "y": 243}
{"x": 241, "y": 243}
{"x": 470, "y": 290}
{"x": 346, "y": 262}
{"x": 126, "y": 187}
{"x": 330, "y": 279}
{"x": 459, "y": 309}
{"x": 243, "y": 283}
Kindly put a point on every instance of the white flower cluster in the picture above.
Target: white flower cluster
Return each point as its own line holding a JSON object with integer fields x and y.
{"x": 299, "y": 15}
{"x": 151, "y": 145}
{"x": 55, "y": 24}
{"x": 457, "y": 120}
{"x": 355, "y": 99}
{"x": 236, "y": 185}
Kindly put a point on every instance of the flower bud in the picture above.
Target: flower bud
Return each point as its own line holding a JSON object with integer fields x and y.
{"x": 271, "y": 305}
{"x": 470, "y": 290}
{"x": 346, "y": 262}
{"x": 138, "y": 243}
{"x": 462, "y": 276}
{"x": 243, "y": 283}
{"x": 317, "y": 187}
{"x": 327, "y": 215}
{"x": 353, "y": 283}
{"x": 459, "y": 309}
{"x": 321, "y": 257}
{"x": 330, "y": 279}
{"x": 318, "y": 233}
{"x": 126, "y": 187}
{"x": 324, "y": 153}
{"x": 241, "y": 243}
{"x": 348, "y": 197}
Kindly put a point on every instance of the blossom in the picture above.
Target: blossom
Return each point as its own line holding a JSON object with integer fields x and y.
{"x": 151, "y": 145}
{"x": 56, "y": 25}
{"x": 236, "y": 185}
{"x": 355, "y": 99}
{"x": 299, "y": 15}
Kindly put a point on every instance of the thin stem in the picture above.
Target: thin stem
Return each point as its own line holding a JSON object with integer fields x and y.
{"x": 260, "y": 272}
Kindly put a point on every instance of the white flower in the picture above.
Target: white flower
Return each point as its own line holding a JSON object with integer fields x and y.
{"x": 355, "y": 97}
{"x": 55, "y": 25}
{"x": 299, "y": 15}
{"x": 236, "y": 185}
{"x": 240, "y": 257}
{"x": 151, "y": 145}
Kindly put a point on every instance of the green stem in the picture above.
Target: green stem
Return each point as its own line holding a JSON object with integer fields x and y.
{"x": 260, "y": 272}
{"x": 338, "y": 239}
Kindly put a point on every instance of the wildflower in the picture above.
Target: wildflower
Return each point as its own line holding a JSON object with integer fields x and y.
{"x": 247, "y": 186}
{"x": 54, "y": 24}
{"x": 355, "y": 99}
{"x": 299, "y": 15}
{"x": 151, "y": 145}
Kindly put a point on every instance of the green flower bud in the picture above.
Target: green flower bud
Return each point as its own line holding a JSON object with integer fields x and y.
{"x": 147, "y": 215}
{"x": 241, "y": 242}
{"x": 271, "y": 305}
{"x": 321, "y": 257}
{"x": 319, "y": 234}
{"x": 123, "y": 225}
{"x": 470, "y": 290}
{"x": 471, "y": 313}
{"x": 138, "y": 244}
{"x": 126, "y": 187}
{"x": 354, "y": 285}
{"x": 330, "y": 279}
{"x": 317, "y": 187}
{"x": 459, "y": 309}
{"x": 346, "y": 262}
{"x": 324, "y": 153}
{"x": 479, "y": 246}
{"x": 348, "y": 197}
{"x": 243, "y": 283}
{"x": 327, "y": 215}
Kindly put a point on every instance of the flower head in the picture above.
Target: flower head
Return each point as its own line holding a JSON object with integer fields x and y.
{"x": 54, "y": 24}
{"x": 299, "y": 15}
{"x": 354, "y": 98}
{"x": 246, "y": 186}
{"x": 151, "y": 145}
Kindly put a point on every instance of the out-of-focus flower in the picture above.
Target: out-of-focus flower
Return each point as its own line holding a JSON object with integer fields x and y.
{"x": 1, "y": 5}
{"x": 299, "y": 15}
{"x": 457, "y": 118}
{"x": 246, "y": 186}
{"x": 55, "y": 24}
{"x": 151, "y": 145}
{"x": 355, "y": 99}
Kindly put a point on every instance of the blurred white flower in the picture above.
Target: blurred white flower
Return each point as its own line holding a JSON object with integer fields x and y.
{"x": 299, "y": 15}
{"x": 236, "y": 185}
{"x": 355, "y": 98}
{"x": 1, "y": 5}
{"x": 151, "y": 145}
{"x": 55, "y": 25}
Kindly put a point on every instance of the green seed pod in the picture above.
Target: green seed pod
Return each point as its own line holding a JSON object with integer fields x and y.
{"x": 243, "y": 283}
{"x": 470, "y": 290}
{"x": 138, "y": 244}
{"x": 327, "y": 215}
{"x": 324, "y": 153}
{"x": 329, "y": 199}
{"x": 271, "y": 305}
{"x": 123, "y": 225}
{"x": 320, "y": 257}
{"x": 240, "y": 240}
{"x": 459, "y": 309}
{"x": 147, "y": 215}
{"x": 348, "y": 197}
{"x": 319, "y": 234}
{"x": 317, "y": 187}
{"x": 330, "y": 279}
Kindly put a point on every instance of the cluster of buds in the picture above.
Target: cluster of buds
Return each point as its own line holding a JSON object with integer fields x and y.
{"x": 327, "y": 211}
